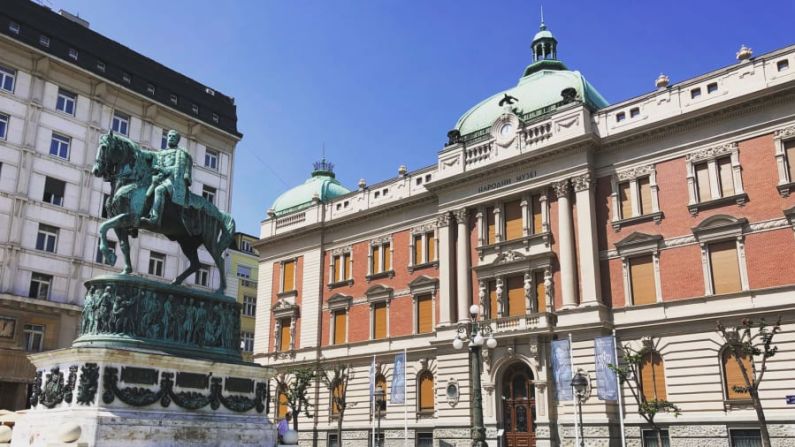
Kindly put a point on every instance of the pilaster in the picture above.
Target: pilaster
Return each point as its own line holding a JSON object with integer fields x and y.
{"x": 586, "y": 235}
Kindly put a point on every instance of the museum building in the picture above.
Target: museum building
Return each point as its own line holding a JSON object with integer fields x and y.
{"x": 558, "y": 215}
{"x": 63, "y": 85}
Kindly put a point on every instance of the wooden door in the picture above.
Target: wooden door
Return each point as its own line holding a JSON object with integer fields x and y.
{"x": 518, "y": 407}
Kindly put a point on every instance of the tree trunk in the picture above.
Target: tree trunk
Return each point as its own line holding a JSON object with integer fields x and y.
{"x": 295, "y": 420}
{"x": 760, "y": 414}
{"x": 339, "y": 428}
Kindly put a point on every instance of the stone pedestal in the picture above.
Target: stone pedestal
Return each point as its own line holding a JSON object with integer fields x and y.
{"x": 124, "y": 397}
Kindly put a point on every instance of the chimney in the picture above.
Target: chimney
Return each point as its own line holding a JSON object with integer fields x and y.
{"x": 74, "y": 18}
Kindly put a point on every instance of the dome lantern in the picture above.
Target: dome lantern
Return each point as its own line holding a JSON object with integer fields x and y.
{"x": 545, "y": 46}
{"x": 320, "y": 187}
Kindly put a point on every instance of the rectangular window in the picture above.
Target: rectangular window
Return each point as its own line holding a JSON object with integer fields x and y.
{"x": 541, "y": 291}
{"x": 725, "y": 176}
{"x": 425, "y": 314}
{"x": 641, "y": 278}
{"x": 203, "y": 276}
{"x": 157, "y": 262}
{"x": 59, "y": 146}
{"x": 538, "y": 222}
{"x": 712, "y": 87}
{"x": 249, "y": 305}
{"x": 516, "y": 298}
{"x": 379, "y": 321}
{"x": 216, "y": 118}
{"x": 387, "y": 254}
{"x": 789, "y": 150}
{"x": 7, "y": 79}
{"x": 247, "y": 340}
{"x": 104, "y": 212}
{"x": 284, "y": 335}
{"x": 491, "y": 227}
{"x": 47, "y": 238}
{"x": 243, "y": 271}
{"x": 164, "y": 139}
{"x": 695, "y": 93}
{"x": 493, "y": 305}
{"x": 702, "y": 182}
{"x": 381, "y": 259}
{"x": 725, "y": 267}
{"x": 40, "y": 285}
{"x": 121, "y": 123}
{"x": 65, "y": 102}
{"x": 195, "y": 109}
{"x": 340, "y": 327}
{"x": 430, "y": 246}
{"x": 173, "y": 98}
{"x": 332, "y": 438}
{"x": 34, "y": 337}
{"x": 644, "y": 191}
{"x": 625, "y": 198}
{"x": 73, "y": 53}
{"x": 634, "y": 112}
{"x": 424, "y": 440}
{"x": 44, "y": 41}
{"x": 745, "y": 438}
{"x": 208, "y": 192}
{"x": 54, "y": 191}
{"x": 126, "y": 77}
{"x": 513, "y": 220}
{"x": 782, "y": 65}
{"x": 3, "y": 126}
{"x": 620, "y": 116}
{"x": 650, "y": 438}
{"x": 15, "y": 28}
{"x": 211, "y": 159}
{"x": 288, "y": 276}
{"x": 418, "y": 258}
{"x": 342, "y": 267}
{"x": 100, "y": 259}
{"x": 101, "y": 66}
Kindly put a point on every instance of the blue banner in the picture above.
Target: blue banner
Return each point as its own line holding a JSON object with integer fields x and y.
{"x": 399, "y": 380}
{"x": 604, "y": 352}
{"x": 561, "y": 369}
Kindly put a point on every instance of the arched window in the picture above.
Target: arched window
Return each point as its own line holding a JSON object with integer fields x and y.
{"x": 281, "y": 399}
{"x": 652, "y": 377}
{"x": 338, "y": 392}
{"x": 733, "y": 375}
{"x": 425, "y": 391}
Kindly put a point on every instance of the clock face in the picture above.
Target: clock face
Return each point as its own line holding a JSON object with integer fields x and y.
{"x": 506, "y": 130}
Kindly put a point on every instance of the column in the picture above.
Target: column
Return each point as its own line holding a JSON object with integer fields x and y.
{"x": 568, "y": 261}
{"x": 586, "y": 235}
{"x": 462, "y": 265}
{"x": 445, "y": 270}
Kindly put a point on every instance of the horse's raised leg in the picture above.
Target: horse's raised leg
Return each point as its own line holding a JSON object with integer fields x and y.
{"x": 114, "y": 222}
{"x": 189, "y": 248}
{"x": 124, "y": 243}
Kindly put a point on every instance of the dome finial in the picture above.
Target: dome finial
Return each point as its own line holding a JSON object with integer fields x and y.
{"x": 544, "y": 43}
{"x": 323, "y": 167}
{"x": 543, "y": 25}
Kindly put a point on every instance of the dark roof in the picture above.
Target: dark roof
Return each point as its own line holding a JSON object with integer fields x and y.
{"x": 64, "y": 34}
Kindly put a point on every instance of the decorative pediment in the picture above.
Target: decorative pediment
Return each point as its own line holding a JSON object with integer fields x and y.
{"x": 339, "y": 301}
{"x": 711, "y": 152}
{"x": 720, "y": 226}
{"x": 285, "y": 308}
{"x": 423, "y": 284}
{"x": 508, "y": 257}
{"x": 638, "y": 242}
{"x": 379, "y": 292}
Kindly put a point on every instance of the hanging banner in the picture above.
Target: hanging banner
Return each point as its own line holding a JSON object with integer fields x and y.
{"x": 604, "y": 352}
{"x": 399, "y": 380}
{"x": 561, "y": 369}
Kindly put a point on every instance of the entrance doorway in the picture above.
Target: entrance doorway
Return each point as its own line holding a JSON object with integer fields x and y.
{"x": 518, "y": 407}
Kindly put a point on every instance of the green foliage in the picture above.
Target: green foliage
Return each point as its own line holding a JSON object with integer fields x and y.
{"x": 295, "y": 386}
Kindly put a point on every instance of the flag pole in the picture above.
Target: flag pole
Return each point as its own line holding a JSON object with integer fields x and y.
{"x": 620, "y": 393}
{"x": 405, "y": 402}
{"x": 573, "y": 398}
{"x": 372, "y": 400}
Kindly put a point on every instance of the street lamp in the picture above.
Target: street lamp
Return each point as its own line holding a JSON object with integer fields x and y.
{"x": 580, "y": 384}
{"x": 380, "y": 405}
{"x": 476, "y": 334}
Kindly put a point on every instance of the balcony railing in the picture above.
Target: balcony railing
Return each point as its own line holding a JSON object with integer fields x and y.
{"x": 536, "y": 321}
{"x": 248, "y": 283}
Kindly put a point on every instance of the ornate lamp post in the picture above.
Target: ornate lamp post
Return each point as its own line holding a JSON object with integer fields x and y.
{"x": 476, "y": 334}
{"x": 580, "y": 384}
{"x": 380, "y": 405}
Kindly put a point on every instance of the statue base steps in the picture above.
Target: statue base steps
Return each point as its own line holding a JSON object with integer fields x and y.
{"x": 116, "y": 397}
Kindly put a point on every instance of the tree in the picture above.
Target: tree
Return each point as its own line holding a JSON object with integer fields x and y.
{"x": 753, "y": 342}
{"x": 336, "y": 381}
{"x": 295, "y": 385}
{"x": 629, "y": 374}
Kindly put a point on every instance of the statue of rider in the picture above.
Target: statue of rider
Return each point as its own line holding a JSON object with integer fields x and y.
{"x": 172, "y": 176}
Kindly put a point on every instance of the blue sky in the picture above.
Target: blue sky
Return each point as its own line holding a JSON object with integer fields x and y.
{"x": 380, "y": 82}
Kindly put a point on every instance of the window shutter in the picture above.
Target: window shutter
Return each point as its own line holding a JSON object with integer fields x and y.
{"x": 513, "y": 220}
{"x": 282, "y": 400}
{"x": 492, "y": 299}
{"x": 733, "y": 375}
{"x": 418, "y": 249}
{"x": 284, "y": 345}
{"x": 337, "y": 267}
{"x": 702, "y": 182}
{"x": 491, "y": 229}
{"x": 726, "y": 178}
{"x": 644, "y": 188}
{"x": 431, "y": 246}
{"x": 387, "y": 257}
{"x": 348, "y": 266}
{"x": 426, "y": 391}
{"x": 516, "y": 299}
{"x": 789, "y": 149}
{"x": 340, "y": 326}
{"x": 538, "y": 223}
{"x": 376, "y": 265}
{"x": 424, "y": 314}
{"x": 641, "y": 274}
{"x": 336, "y": 392}
{"x": 379, "y": 321}
{"x": 625, "y": 198}
{"x": 289, "y": 276}
{"x": 725, "y": 267}
{"x": 541, "y": 291}
{"x": 652, "y": 374}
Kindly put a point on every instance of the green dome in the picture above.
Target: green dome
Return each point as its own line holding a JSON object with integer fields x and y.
{"x": 322, "y": 184}
{"x": 541, "y": 86}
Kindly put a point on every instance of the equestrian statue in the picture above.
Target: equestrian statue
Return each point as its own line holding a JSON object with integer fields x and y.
{"x": 150, "y": 191}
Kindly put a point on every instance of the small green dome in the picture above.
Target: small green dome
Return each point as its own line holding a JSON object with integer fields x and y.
{"x": 541, "y": 86}
{"x": 322, "y": 184}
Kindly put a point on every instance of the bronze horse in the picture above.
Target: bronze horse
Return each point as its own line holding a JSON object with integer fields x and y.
{"x": 129, "y": 170}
